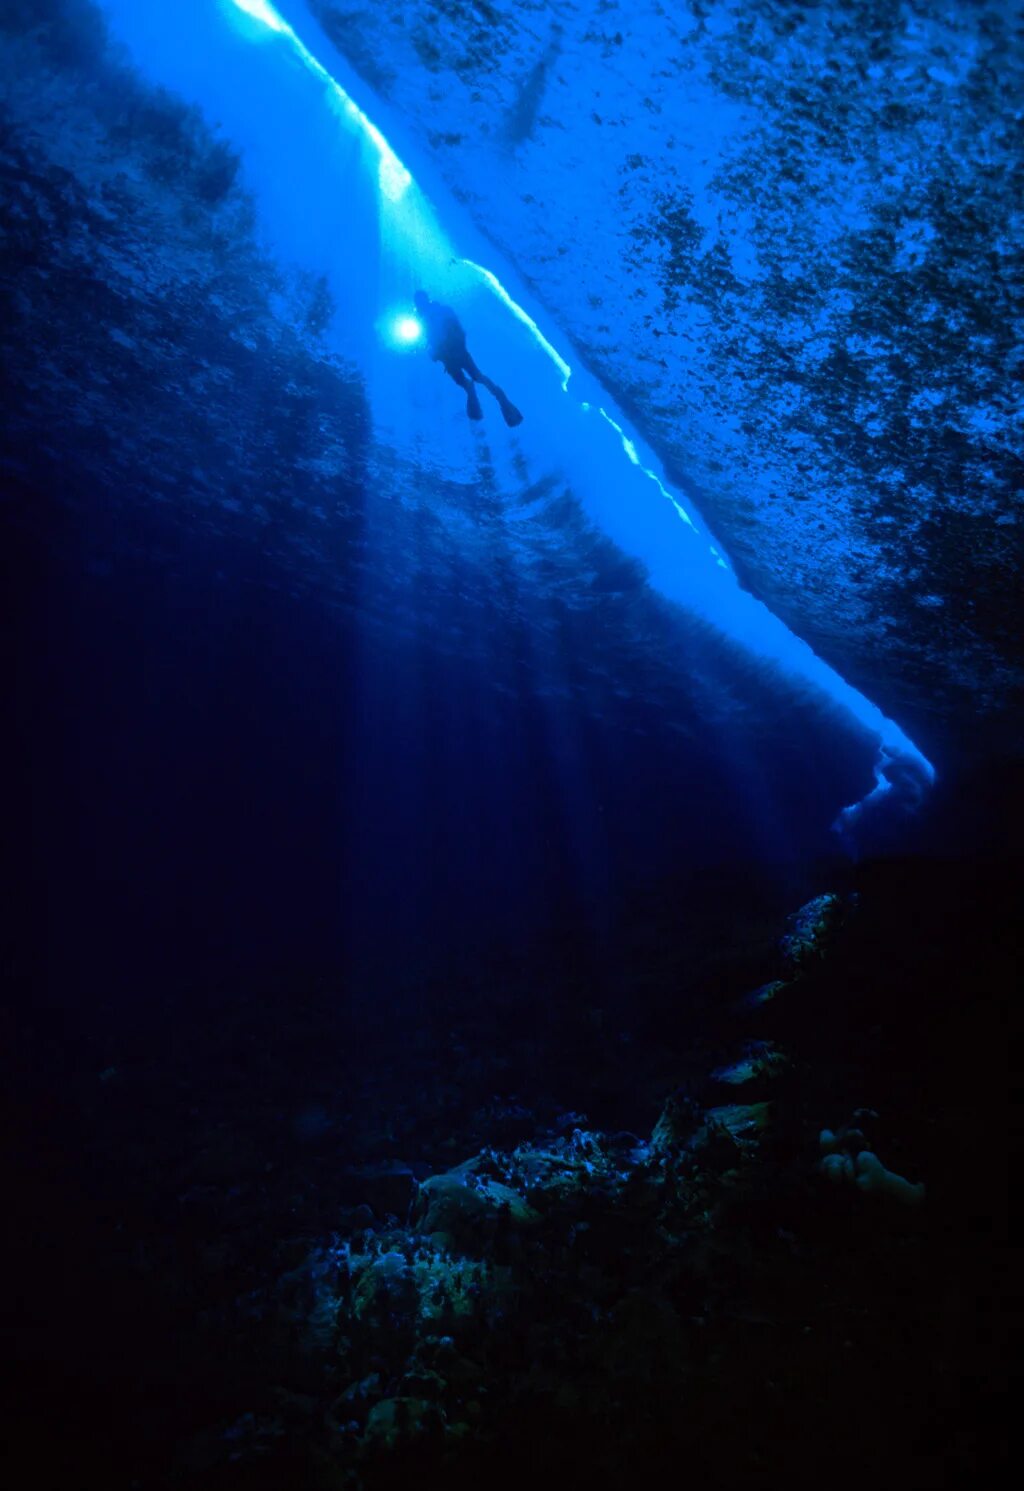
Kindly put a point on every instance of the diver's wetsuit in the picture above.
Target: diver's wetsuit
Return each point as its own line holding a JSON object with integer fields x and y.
{"x": 446, "y": 342}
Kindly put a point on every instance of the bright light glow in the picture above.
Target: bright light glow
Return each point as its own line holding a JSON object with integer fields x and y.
{"x": 400, "y": 330}
{"x": 392, "y": 177}
{"x": 408, "y": 329}
{"x": 913, "y": 771}
{"x": 566, "y": 371}
{"x": 634, "y": 459}
{"x": 261, "y": 11}
{"x": 521, "y": 315}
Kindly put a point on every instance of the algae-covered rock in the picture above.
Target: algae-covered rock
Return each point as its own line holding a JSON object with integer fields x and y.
{"x": 394, "y": 1421}
{"x": 811, "y": 930}
{"x": 350, "y": 1409}
{"x": 763, "y": 995}
{"x": 465, "y": 1208}
{"x": 679, "y": 1120}
{"x": 453, "y": 1293}
{"x": 759, "y": 1063}
{"x": 384, "y": 1287}
{"x": 742, "y": 1121}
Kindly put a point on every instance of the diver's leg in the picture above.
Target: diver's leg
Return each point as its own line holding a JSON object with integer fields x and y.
{"x": 509, "y": 411}
{"x": 472, "y": 402}
{"x": 478, "y": 377}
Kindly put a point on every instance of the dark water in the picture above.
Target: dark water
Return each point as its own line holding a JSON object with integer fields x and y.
{"x": 222, "y": 777}
{"x": 359, "y": 826}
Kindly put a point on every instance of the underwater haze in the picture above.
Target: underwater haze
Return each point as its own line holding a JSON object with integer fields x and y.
{"x": 513, "y": 808}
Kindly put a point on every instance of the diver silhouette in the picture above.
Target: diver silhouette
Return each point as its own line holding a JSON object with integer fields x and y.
{"x": 446, "y": 343}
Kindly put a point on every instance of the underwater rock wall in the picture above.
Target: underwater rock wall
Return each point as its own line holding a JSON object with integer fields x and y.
{"x": 153, "y": 355}
{"x": 785, "y": 237}
{"x": 244, "y": 620}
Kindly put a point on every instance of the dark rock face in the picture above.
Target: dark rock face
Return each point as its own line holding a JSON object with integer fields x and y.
{"x": 153, "y": 356}
{"x": 787, "y": 238}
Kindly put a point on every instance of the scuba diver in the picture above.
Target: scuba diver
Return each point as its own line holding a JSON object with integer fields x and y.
{"x": 446, "y": 343}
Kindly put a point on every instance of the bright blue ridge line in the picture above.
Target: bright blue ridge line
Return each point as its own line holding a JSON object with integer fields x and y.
{"x": 394, "y": 181}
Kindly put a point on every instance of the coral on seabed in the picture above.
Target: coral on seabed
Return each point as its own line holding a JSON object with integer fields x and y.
{"x": 517, "y": 1260}
{"x": 595, "y": 1278}
{"x": 846, "y": 1159}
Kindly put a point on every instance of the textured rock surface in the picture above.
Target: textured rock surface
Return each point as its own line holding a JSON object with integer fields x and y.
{"x": 166, "y": 377}
{"x": 788, "y": 238}
{"x": 785, "y": 239}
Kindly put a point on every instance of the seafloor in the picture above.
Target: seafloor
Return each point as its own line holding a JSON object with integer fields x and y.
{"x": 270, "y": 1241}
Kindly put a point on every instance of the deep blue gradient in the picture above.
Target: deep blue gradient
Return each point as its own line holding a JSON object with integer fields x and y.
{"x": 233, "y": 782}
{"x": 334, "y": 197}
{"x": 445, "y": 907}
{"x": 478, "y": 685}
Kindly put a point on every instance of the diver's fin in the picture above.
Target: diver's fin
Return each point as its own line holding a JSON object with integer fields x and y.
{"x": 510, "y": 413}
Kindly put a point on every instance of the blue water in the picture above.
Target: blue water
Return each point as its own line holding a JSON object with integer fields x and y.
{"x": 472, "y": 686}
{"x": 395, "y": 799}
{"x": 335, "y": 197}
